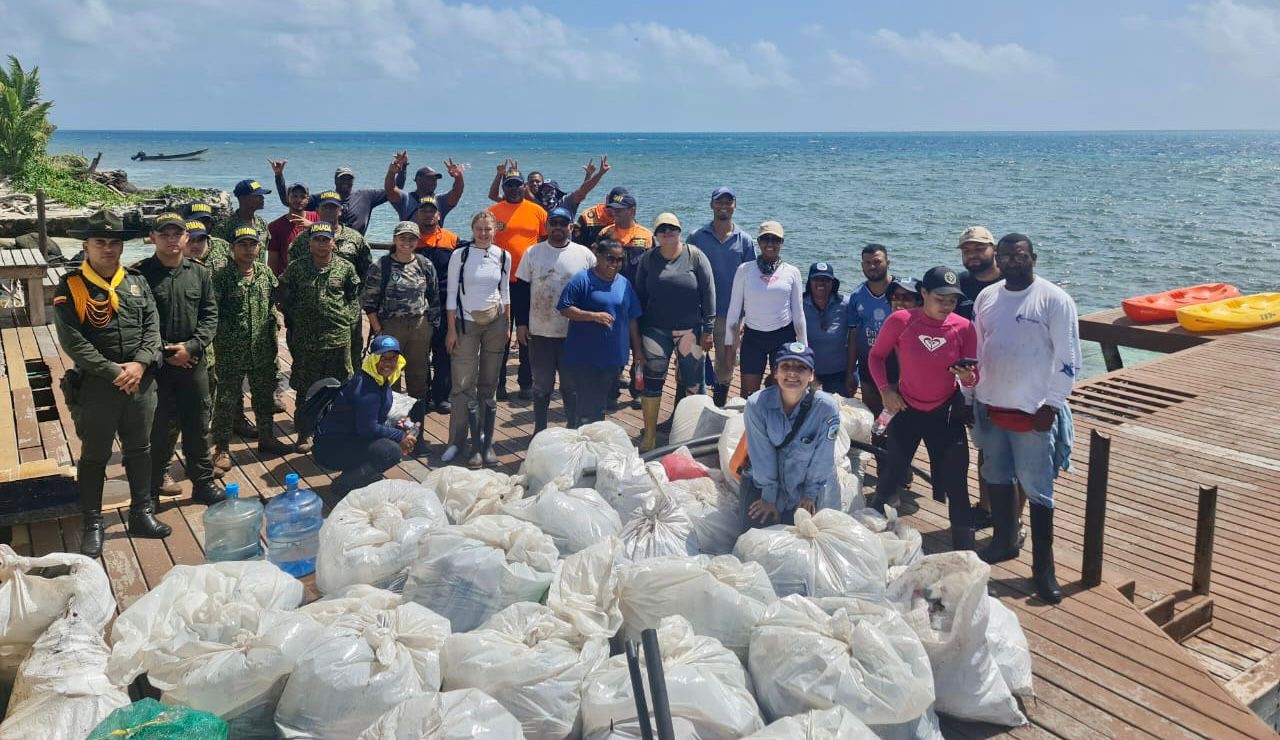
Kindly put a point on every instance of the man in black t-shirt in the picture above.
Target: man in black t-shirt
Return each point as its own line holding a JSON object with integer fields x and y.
{"x": 978, "y": 254}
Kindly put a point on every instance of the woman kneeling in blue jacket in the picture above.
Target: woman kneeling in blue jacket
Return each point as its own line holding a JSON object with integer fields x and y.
{"x": 354, "y": 437}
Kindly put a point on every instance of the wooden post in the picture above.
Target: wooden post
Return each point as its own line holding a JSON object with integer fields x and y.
{"x": 1111, "y": 357}
{"x": 1095, "y": 508}
{"x": 93, "y": 166}
{"x": 42, "y": 226}
{"x": 1206, "y": 523}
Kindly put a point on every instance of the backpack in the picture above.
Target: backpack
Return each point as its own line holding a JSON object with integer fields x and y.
{"x": 319, "y": 399}
{"x": 384, "y": 265}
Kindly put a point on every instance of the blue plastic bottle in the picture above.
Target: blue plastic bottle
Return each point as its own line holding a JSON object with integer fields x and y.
{"x": 233, "y": 528}
{"x": 293, "y": 528}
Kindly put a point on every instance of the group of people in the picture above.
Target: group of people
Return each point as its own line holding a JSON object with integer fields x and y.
{"x": 598, "y": 303}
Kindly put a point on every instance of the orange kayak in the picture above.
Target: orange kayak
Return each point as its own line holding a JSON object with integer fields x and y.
{"x": 1234, "y": 314}
{"x": 1164, "y": 306}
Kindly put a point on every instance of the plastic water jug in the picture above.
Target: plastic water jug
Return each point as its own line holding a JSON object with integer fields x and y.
{"x": 293, "y": 528}
{"x": 233, "y": 528}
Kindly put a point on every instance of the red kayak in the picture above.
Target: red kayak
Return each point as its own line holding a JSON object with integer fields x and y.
{"x": 1164, "y": 306}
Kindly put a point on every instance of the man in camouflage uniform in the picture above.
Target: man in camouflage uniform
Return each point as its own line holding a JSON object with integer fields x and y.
{"x": 249, "y": 195}
{"x": 217, "y": 251}
{"x": 106, "y": 321}
{"x": 348, "y": 244}
{"x": 188, "y": 319}
{"x": 320, "y": 296}
{"x": 246, "y": 344}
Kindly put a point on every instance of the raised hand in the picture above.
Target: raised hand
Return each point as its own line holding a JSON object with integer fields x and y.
{"x": 277, "y": 166}
{"x": 589, "y": 168}
{"x": 604, "y": 164}
{"x": 454, "y": 169}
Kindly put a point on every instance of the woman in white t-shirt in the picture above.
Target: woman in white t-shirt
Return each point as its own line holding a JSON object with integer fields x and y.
{"x": 478, "y": 306}
{"x": 766, "y": 307}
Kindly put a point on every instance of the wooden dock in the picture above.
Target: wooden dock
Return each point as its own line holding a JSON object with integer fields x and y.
{"x": 1102, "y": 667}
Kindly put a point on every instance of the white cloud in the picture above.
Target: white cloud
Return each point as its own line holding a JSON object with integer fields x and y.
{"x": 846, "y": 72}
{"x": 1245, "y": 37}
{"x": 955, "y": 51}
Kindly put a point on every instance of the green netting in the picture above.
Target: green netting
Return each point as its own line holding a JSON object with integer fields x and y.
{"x": 150, "y": 720}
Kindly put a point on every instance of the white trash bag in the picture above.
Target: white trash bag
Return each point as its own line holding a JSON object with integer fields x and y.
{"x": 530, "y": 661}
{"x": 62, "y": 689}
{"x": 713, "y": 508}
{"x": 558, "y": 451}
{"x": 469, "y": 572}
{"x": 584, "y": 589}
{"x": 708, "y": 689}
{"x": 696, "y": 417}
{"x": 1009, "y": 648}
{"x": 823, "y": 554}
{"x": 720, "y": 597}
{"x": 575, "y": 518}
{"x": 624, "y": 481}
{"x": 359, "y": 667}
{"x": 836, "y": 723}
{"x": 36, "y": 591}
{"x": 943, "y": 598}
{"x": 856, "y": 419}
{"x": 851, "y": 496}
{"x": 902, "y": 543}
{"x": 192, "y": 601}
{"x": 468, "y": 714}
{"x": 467, "y": 494}
{"x": 357, "y": 598}
{"x": 372, "y": 535}
{"x": 401, "y": 405}
{"x": 863, "y": 658}
{"x": 659, "y": 528}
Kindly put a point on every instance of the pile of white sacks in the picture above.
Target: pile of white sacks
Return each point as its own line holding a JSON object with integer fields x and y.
{"x": 478, "y": 604}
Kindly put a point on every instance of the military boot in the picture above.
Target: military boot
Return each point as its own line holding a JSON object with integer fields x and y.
{"x": 205, "y": 492}
{"x": 267, "y": 441}
{"x": 90, "y": 480}
{"x": 142, "y": 511}
{"x": 221, "y": 461}
{"x": 245, "y": 428}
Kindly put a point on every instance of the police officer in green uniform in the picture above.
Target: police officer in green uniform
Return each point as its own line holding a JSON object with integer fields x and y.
{"x": 106, "y": 321}
{"x": 245, "y": 344}
{"x": 217, "y": 250}
{"x": 188, "y": 320}
{"x": 348, "y": 244}
{"x": 320, "y": 298}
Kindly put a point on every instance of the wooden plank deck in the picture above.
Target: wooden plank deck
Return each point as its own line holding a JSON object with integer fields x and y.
{"x": 1114, "y": 328}
{"x": 1102, "y": 669}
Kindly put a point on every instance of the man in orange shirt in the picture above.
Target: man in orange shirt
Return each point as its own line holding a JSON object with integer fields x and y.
{"x": 521, "y": 224}
{"x": 436, "y": 243}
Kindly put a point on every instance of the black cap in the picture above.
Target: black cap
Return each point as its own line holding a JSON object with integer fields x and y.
{"x": 249, "y": 187}
{"x": 616, "y": 192}
{"x": 169, "y": 218}
{"x": 621, "y": 200}
{"x": 941, "y": 280}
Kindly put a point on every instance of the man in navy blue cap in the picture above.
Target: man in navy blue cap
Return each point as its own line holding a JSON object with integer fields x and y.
{"x": 726, "y": 247}
{"x": 357, "y": 205}
{"x": 546, "y": 268}
{"x": 425, "y": 181}
{"x": 249, "y": 195}
{"x": 791, "y": 436}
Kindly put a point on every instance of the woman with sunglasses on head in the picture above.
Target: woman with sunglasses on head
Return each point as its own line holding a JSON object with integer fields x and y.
{"x": 604, "y": 332}
{"x": 766, "y": 307}
{"x": 678, "y": 300}
{"x": 936, "y": 348}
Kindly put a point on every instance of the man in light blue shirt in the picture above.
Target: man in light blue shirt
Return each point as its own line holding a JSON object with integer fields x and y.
{"x": 726, "y": 247}
{"x": 791, "y": 437}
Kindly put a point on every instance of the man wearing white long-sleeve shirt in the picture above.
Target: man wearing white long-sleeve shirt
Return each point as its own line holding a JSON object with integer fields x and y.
{"x": 1029, "y": 356}
{"x": 766, "y": 307}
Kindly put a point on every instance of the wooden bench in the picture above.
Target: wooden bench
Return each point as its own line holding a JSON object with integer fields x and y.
{"x": 29, "y": 266}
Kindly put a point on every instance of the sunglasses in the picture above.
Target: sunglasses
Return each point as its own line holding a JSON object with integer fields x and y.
{"x": 611, "y": 259}
{"x": 667, "y": 230}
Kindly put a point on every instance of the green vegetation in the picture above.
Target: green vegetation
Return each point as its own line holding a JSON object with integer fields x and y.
{"x": 66, "y": 184}
{"x": 24, "y": 118}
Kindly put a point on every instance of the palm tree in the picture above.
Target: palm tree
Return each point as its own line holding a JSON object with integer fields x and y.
{"x": 24, "y": 119}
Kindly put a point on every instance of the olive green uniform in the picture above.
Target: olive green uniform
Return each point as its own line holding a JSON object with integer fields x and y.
{"x": 188, "y": 315}
{"x": 99, "y": 410}
{"x": 223, "y": 233}
{"x": 320, "y": 306}
{"x": 218, "y": 254}
{"x": 351, "y": 246}
{"x": 246, "y": 347}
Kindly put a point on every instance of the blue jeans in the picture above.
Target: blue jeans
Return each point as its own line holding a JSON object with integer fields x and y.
{"x": 1023, "y": 456}
{"x": 658, "y": 345}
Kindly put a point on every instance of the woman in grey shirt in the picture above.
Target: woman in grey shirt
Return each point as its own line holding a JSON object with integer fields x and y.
{"x": 678, "y": 300}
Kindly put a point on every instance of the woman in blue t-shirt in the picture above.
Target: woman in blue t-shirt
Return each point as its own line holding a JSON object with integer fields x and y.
{"x": 604, "y": 334}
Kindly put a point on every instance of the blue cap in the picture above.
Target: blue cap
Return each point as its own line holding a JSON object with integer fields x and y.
{"x": 721, "y": 192}
{"x": 621, "y": 200}
{"x": 291, "y": 480}
{"x": 560, "y": 212}
{"x": 233, "y": 490}
{"x": 249, "y": 187}
{"x": 798, "y": 351}
{"x": 384, "y": 344}
{"x": 615, "y": 192}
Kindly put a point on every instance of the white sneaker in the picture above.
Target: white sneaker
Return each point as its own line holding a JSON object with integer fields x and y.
{"x": 449, "y": 454}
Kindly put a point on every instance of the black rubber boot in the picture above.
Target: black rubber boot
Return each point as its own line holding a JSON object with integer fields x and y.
{"x": 571, "y": 410}
{"x": 91, "y": 534}
{"x": 245, "y": 428}
{"x": 475, "y": 459}
{"x": 90, "y": 479}
{"x": 142, "y": 508}
{"x": 541, "y": 406}
{"x": 1042, "y": 571}
{"x": 1004, "y": 524}
{"x": 205, "y": 492}
{"x": 720, "y": 394}
{"x": 353, "y": 479}
{"x": 962, "y": 538}
{"x": 490, "y": 419}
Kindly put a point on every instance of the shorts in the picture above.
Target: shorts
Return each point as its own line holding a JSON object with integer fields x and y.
{"x": 1026, "y": 457}
{"x": 758, "y": 347}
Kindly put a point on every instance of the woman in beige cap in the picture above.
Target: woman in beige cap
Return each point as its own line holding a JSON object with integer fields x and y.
{"x": 678, "y": 299}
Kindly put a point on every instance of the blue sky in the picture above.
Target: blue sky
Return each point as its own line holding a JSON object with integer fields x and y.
{"x": 573, "y": 65}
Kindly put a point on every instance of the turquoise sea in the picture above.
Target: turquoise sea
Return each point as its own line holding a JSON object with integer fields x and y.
{"x": 1111, "y": 214}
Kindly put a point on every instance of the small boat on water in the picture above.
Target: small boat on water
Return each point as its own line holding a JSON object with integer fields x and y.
{"x": 144, "y": 157}
{"x": 1164, "y": 306}
{"x": 1234, "y": 314}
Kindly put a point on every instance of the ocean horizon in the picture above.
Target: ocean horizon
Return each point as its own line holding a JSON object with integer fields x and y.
{"x": 1112, "y": 213}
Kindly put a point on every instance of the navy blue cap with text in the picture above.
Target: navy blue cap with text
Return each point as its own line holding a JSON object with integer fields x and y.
{"x": 798, "y": 351}
{"x": 249, "y": 187}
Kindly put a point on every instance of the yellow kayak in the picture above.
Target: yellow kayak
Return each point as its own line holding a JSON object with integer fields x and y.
{"x": 1234, "y": 314}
